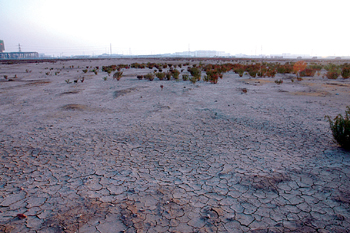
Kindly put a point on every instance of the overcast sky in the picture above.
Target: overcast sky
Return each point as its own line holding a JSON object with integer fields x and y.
{"x": 62, "y": 27}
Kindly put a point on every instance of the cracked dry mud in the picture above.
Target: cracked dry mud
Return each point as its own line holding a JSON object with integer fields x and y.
{"x": 127, "y": 156}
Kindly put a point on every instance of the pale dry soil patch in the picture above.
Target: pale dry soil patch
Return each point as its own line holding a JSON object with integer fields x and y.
{"x": 128, "y": 156}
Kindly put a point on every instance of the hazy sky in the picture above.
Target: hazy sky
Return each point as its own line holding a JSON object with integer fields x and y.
{"x": 62, "y": 27}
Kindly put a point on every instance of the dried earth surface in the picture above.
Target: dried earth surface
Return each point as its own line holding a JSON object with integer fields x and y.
{"x": 128, "y": 156}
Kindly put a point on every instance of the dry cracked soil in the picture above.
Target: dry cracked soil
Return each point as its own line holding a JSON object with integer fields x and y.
{"x": 129, "y": 156}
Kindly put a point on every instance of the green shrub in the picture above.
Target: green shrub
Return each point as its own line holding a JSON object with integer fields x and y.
{"x": 193, "y": 80}
{"x": 308, "y": 73}
{"x": 195, "y": 72}
{"x": 345, "y": 72}
{"x": 149, "y": 76}
{"x": 176, "y": 74}
{"x": 252, "y": 73}
{"x": 118, "y": 75}
{"x": 341, "y": 129}
{"x": 332, "y": 75}
{"x": 185, "y": 77}
{"x": 160, "y": 76}
{"x": 315, "y": 66}
{"x": 168, "y": 75}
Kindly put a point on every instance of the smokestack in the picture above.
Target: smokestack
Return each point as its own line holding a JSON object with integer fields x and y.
{"x": 2, "y": 46}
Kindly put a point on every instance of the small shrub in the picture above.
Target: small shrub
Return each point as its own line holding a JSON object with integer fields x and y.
{"x": 160, "y": 76}
{"x": 139, "y": 77}
{"x": 308, "y": 73}
{"x": 244, "y": 90}
{"x": 185, "y": 77}
{"x": 109, "y": 69}
{"x": 193, "y": 80}
{"x": 67, "y": 81}
{"x": 118, "y": 75}
{"x": 149, "y": 76}
{"x": 279, "y": 81}
{"x": 5, "y": 76}
{"x": 253, "y": 73}
{"x": 105, "y": 78}
{"x": 47, "y": 73}
{"x": 299, "y": 66}
{"x": 85, "y": 71}
{"x": 195, "y": 72}
{"x": 168, "y": 75}
{"x": 341, "y": 129}
{"x": 332, "y": 75}
{"x": 240, "y": 72}
{"x": 176, "y": 74}
{"x": 345, "y": 72}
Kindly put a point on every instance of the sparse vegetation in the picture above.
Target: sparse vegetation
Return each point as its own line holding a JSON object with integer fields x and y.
{"x": 160, "y": 75}
{"x": 345, "y": 72}
{"x": 279, "y": 81}
{"x": 176, "y": 74}
{"x": 67, "y": 81}
{"x": 193, "y": 80}
{"x": 149, "y": 76}
{"x": 168, "y": 75}
{"x": 118, "y": 75}
{"x": 332, "y": 74}
{"x": 195, "y": 72}
{"x": 340, "y": 127}
{"x": 298, "y": 67}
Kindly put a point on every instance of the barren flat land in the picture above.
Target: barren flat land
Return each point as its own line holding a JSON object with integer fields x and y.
{"x": 129, "y": 156}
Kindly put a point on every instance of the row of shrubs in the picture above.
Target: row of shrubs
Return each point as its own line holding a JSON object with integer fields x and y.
{"x": 216, "y": 71}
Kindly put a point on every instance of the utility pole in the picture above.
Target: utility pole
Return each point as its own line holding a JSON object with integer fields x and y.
{"x": 19, "y": 48}
{"x": 110, "y": 49}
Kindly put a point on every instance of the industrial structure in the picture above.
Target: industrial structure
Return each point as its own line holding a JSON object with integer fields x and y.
{"x": 16, "y": 55}
{"x": 2, "y": 46}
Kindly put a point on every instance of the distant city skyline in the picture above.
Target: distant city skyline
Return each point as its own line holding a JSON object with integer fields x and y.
{"x": 66, "y": 28}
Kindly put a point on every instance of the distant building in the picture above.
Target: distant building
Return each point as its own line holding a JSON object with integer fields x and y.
{"x": 16, "y": 55}
{"x": 19, "y": 55}
{"x": 2, "y": 46}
